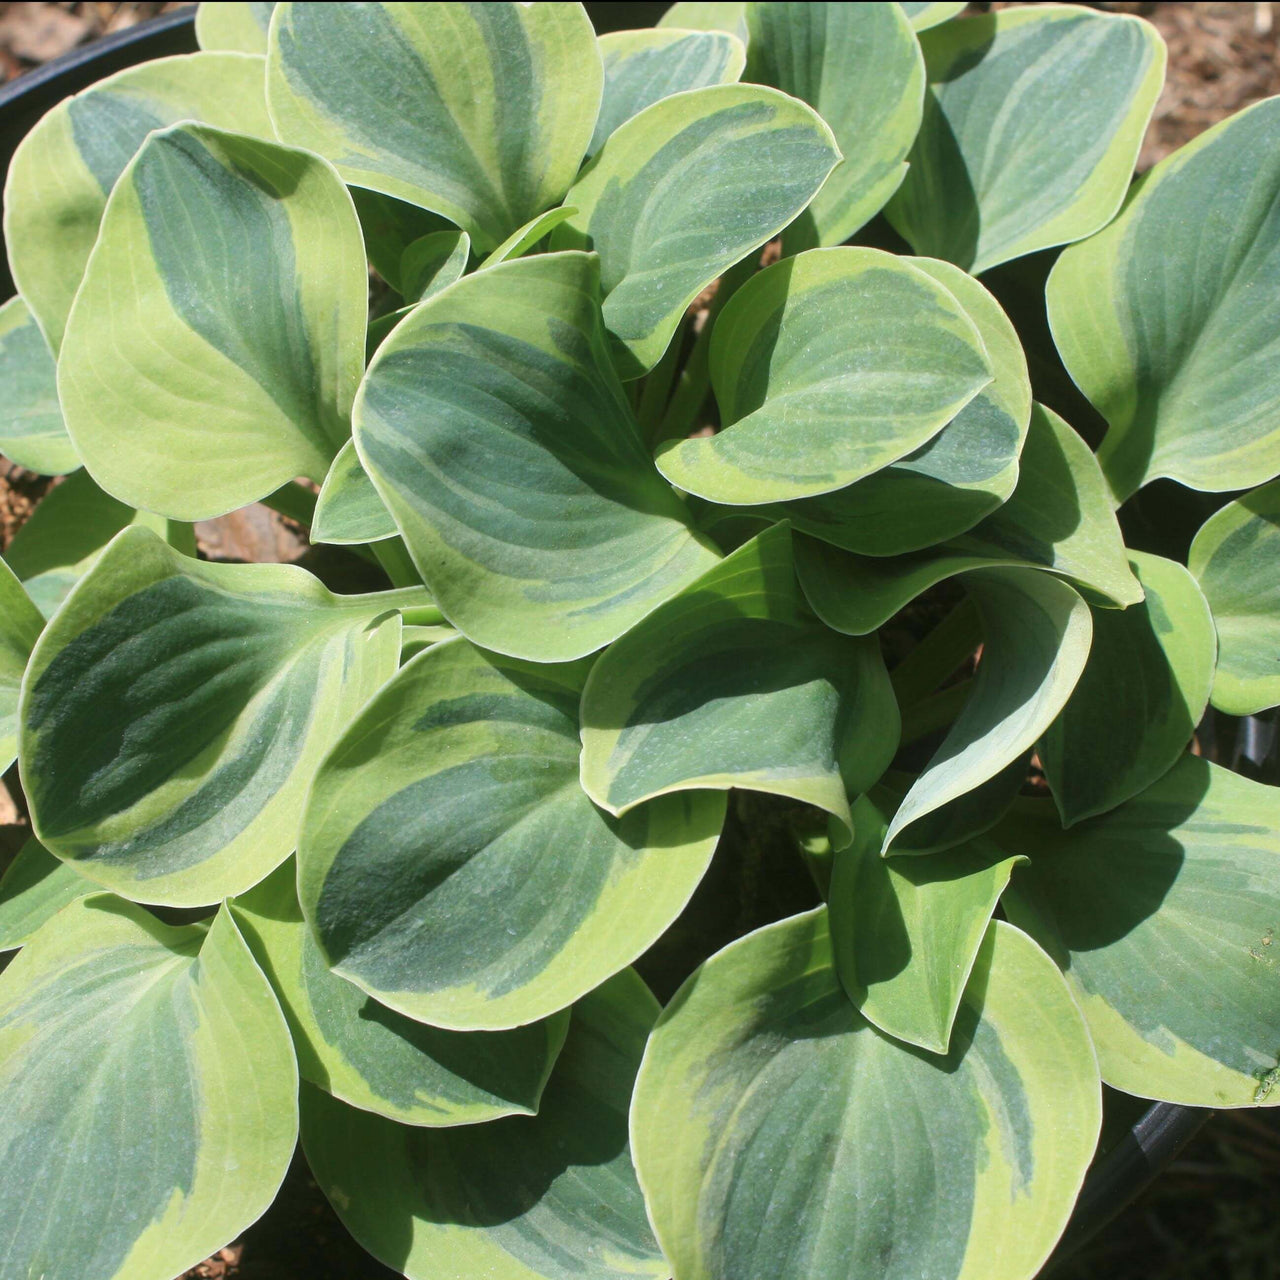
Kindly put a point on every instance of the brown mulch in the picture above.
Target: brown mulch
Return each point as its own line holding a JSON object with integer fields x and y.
{"x": 31, "y": 34}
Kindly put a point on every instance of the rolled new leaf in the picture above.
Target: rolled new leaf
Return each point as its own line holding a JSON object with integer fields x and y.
{"x": 450, "y": 811}
{"x": 20, "y": 626}
{"x": 432, "y": 263}
{"x": 1162, "y": 914}
{"x": 65, "y": 168}
{"x": 234, "y": 25}
{"x": 499, "y": 437}
{"x": 1167, "y": 319}
{"x": 173, "y": 713}
{"x": 152, "y": 1095}
{"x": 374, "y": 1058}
{"x": 348, "y": 509}
{"x": 828, "y": 367}
{"x": 734, "y": 683}
{"x": 479, "y": 112}
{"x": 33, "y": 889}
{"x": 1234, "y": 559}
{"x": 524, "y": 238}
{"x": 1032, "y": 122}
{"x": 551, "y": 1197}
{"x": 32, "y": 432}
{"x": 681, "y": 192}
{"x": 777, "y": 1133}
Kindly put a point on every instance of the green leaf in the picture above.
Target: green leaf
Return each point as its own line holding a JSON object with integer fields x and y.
{"x": 961, "y": 475}
{"x": 151, "y": 1095}
{"x": 379, "y": 1060}
{"x": 248, "y": 311}
{"x": 708, "y": 15}
{"x": 349, "y": 509}
{"x": 643, "y": 67}
{"x": 778, "y": 1133}
{"x": 1234, "y": 559}
{"x": 1167, "y": 319}
{"x": 1032, "y": 122}
{"x": 234, "y": 26}
{"x": 906, "y": 931}
{"x": 860, "y": 67}
{"x": 32, "y": 432}
{"x": 390, "y": 226}
{"x": 64, "y": 169}
{"x": 1036, "y": 633}
{"x": 1059, "y": 518}
{"x": 497, "y": 433}
{"x": 924, "y": 14}
{"x": 432, "y": 263}
{"x": 20, "y": 626}
{"x": 521, "y": 240}
{"x": 734, "y": 683}
{"x": 1163, "y": 915}
{"x": 827, "y": 367}
{"x": 551, "y": 1197}
{"x": 1141, "y": 695}
{"x": 34, "y": 888}
{"x": 450, "y": 811}
{"x": 479, "y": 112}
{"x": 684, "y": 190}
{"x": 174, "y": 711}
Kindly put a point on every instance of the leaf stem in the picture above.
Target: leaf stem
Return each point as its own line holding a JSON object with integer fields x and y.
{"x": 294, "y": 502}
{"x": 938, "y": 655}
{"x": 657, "y": 384}
{"x": 394, "y": 559}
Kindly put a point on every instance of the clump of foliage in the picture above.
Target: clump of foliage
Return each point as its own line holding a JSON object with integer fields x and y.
{"x": 835, "y": 540}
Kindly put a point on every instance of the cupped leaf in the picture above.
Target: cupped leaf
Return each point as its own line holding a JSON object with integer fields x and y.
{"x": 545, "y": 1197}
{"x": 1032, "y": 122}
{"x": 708, "y": 15}
{"x": 734, "y": 683}
{"x": 390, "y": 226}
{"x": 217, "y": 341}
{"x": 1140, "y": 697}
{"x": 234, "y": 25}
{"x": 32, "y": 432}
{"x": 64, "y": 169}
{"x": 906, "y": 931}
{"x": 348, "y": 509}
{"x": 860, "y": 67}
{"x": 523, "y": 239}
{"x": 432, "y": 263}
{"x": 777, "y": 1133}
{"x": 34, "y": 888}
{"x": 1059, "y": 518}
{"x": 174, "y": 711}
{"x": 643, "y": 67}
{"x": 681, "y": 192}
{"x": 377, "y": 1059}
{"x": 1236, "y": 560}
{"x": 450, "y": 811}
{"x": 924, "y": 14}
{"x": 1162, "y": 913}
{"x": 1168, "y": 319}
{"x": 827, "y": 367}
{"x": 151, "y": 1095}
{"x": 1036, "y": 633}
{"x": 20, "y": 626}
{"x": 497, "y": 433}
{"x": 479, "y": 112}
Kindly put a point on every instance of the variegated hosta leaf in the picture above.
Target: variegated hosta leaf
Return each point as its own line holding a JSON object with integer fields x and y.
{"x": 390, "y": 226}
{"x": 174, "y": 711}
{"x": 860, "y": 67}
{"x": 32, "y": 432}
{"x": 432, "y": 263}
{"x": 546, "y": 1197}
{"x": 1036, "y": 633}
{"x": 1032, "y": 122}
{"x": 1059, "y": 518}
{"x": 929, "y": 13}
{"x": 643, "y": 67}
{"x": 480, "y": 112}
{"x": 234, "y": 25}
{"x": 708, "y": 15}
{"x": 450, "y": 811}
{"x": 20, "y": 626}
{"x": 777, "y": 1133}
{"x": 1162, "y": 913}
{"x": 1141, "y": 695}
{"x": 1169, "y": 322}
{"x": 947, "y": 485}
{"x": 906, "y": 931}
{"x": 215, "y": 347}
{"x": 523, "y": 239}
{"x": 375, "y": 1058}
{"x": 34, "y": 888}
{"x": 348, "y": 509}
{"x": 734, "y": 683}
{"x": 681, "y": 192}
{"x": 499, "y": 437}
{"x": 64, "y": 169}
{"x": 1236, "y": 559}
{"x": 151, "y": 1095}
{"x": 827, "y": 367}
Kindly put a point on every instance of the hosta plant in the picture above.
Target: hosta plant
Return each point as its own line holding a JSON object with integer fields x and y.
{"x": 740, "y": 784}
